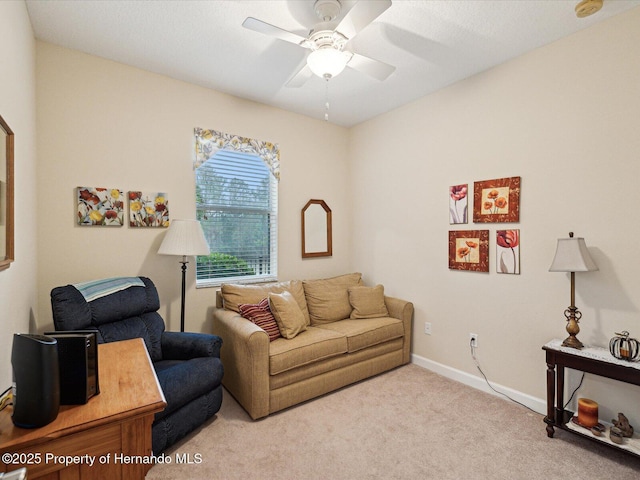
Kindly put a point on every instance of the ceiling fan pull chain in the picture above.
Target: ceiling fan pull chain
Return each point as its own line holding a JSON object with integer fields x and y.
{"x": 326, "y": 99}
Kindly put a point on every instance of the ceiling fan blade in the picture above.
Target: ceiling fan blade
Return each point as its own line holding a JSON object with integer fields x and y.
{"x": 300, "y": 78}
{"x": 268, "y": 29}
{"x": 361, "y": 15}
{"x": 374, "y": 68}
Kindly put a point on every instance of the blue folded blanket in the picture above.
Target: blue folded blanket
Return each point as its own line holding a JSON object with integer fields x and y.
{"x": 101, "y": 288}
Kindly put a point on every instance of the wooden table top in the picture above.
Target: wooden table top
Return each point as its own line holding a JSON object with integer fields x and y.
{"x": 128, "y": 388}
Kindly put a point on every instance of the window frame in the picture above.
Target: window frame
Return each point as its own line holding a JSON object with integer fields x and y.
{"x": 208, "y": 144}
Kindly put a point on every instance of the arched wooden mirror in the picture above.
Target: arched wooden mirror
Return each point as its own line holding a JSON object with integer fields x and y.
{"x": 6, "y": 195}
{"x": 316, "y": 229}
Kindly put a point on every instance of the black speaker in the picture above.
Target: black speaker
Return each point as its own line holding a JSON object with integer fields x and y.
{"x": 78, "y": 360}
{"x": 36, "y": 384}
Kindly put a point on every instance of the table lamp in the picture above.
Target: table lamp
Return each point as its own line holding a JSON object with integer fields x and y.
{"x": 186, "y": 238}
{"x": 572, "y": 256}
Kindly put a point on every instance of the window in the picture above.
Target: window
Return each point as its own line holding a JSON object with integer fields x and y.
{"x": 237, "y": 206}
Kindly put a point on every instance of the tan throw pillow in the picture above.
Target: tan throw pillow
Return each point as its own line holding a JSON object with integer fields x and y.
{"x": 260, "y": 314}
{"x": 290, "y": 318}
{"x": 234, "y": 295}
{"x": 328, "y": 298}
{"x": 368, "y": 302}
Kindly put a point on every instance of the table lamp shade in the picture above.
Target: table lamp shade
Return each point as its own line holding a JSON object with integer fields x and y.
{"x": 184, "y": 237}
{"x": 572, "y": 255}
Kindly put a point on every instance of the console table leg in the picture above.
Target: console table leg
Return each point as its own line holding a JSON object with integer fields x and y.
{"x": 550, "y": 429}
{"x": 551, "y": 397}
{"x": 560, "y": 395}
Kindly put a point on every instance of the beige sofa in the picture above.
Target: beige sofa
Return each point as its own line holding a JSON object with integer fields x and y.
{"x": 350, "y": 332}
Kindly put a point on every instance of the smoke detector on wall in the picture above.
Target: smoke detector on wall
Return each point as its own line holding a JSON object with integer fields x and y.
{"x": 588, "y": 7}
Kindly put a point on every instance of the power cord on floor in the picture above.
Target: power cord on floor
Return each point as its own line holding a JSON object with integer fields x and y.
{"x": 6, "y": 398}
{"x": 475, "y": 359}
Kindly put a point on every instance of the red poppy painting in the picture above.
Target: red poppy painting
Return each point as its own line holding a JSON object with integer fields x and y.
{"x": 469, "y": 250}
{"x": 496, "y": 201}
{"x": 508, "y": 251}
{"x": 458, "y": 203}
{"x": 100, "y": 206}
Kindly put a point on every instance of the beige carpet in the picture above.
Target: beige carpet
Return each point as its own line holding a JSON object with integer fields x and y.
{"x": 405, "y": 424}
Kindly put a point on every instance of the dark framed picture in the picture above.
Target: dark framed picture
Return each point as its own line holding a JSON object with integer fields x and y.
{"x": 469, "y": 250}
{"x": 496, "y": 201}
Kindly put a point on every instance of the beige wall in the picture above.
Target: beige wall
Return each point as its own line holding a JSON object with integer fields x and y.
{"x": 565, "y": 119}
{"x": 105, "y": 124}
{"x": 18, "y": 108}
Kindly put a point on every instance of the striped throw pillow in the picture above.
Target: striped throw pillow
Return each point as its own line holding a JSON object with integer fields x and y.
{"x": 261, "y": 315}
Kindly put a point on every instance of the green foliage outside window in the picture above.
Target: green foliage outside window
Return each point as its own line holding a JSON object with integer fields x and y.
{"x": 225, "y": 266}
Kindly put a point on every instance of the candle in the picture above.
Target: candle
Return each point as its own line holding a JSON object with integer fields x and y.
{"x": 587, "y": 412}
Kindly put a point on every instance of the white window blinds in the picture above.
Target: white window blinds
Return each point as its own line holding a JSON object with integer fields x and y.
{"x": 237, "y": 205}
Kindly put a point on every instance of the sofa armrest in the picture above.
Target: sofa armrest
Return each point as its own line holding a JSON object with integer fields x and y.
{"x": 245, "y": 359}
{"x": 402, "y": 310}
{"x": 187, "y": 345}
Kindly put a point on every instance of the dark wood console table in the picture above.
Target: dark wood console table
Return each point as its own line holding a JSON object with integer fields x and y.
{"x": 593, "y": 360}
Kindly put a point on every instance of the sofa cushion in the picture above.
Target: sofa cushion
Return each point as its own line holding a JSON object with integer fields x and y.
{"x": 328, "y": 298}
{"x": 234, "y": 295}
{"x": 363, "y": 333}
{"x": 260, "y": 314}
{"x": 312, "y": 345}
{"x": 287, "y": 313}
{"x": 367, "y": 302}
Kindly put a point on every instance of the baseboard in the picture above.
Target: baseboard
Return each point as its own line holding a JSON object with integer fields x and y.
{"x": 537, "y": 404}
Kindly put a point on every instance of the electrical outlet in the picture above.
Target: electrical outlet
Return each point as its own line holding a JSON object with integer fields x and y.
{"x": 473, "y": 340}
{"x": 427, "y": 328}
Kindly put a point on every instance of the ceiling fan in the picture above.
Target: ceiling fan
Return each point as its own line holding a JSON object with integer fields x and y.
{"x": 328, "y": 56}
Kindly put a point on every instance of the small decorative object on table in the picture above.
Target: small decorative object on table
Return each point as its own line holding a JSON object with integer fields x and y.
{"x": 625, "y": 348}
{"x": 616, "y": 435}
{"x": 587, "y": 413}
{"x": 622, "y": 424}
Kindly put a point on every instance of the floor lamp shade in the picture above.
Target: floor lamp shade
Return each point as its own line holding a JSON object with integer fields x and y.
{"x": 186, "y": 238}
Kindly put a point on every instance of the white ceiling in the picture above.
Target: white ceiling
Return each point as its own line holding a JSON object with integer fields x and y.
{"x": 432, "y": 44}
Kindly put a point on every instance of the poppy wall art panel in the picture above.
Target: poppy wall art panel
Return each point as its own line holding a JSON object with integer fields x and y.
{"x": 469, "y": 250}
{"x": 496, "y": 201}
{"x": 508, "y": 251}
{"x": 148, "y": 209}
{"x": 458, "y": 203}
{"x": 100, "y": 206}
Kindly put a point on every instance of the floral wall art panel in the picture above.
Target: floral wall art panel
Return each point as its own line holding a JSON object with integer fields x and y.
{"x": 469, "y": 250}
{"x": 496, "y": 200}
{"x": 508, "y": 251}
{"x": 148, "y": 209}
{"x": 100, "y": 206}
{"x": 458, "y": 203}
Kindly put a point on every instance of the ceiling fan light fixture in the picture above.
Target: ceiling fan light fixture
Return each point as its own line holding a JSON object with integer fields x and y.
{"x": 327, "y": 62}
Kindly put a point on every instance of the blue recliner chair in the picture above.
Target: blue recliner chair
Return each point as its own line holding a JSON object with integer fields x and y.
{"x": 188, "y": 365}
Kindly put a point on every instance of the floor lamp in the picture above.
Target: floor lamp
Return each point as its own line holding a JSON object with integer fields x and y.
{"x": 186, "y": 238}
